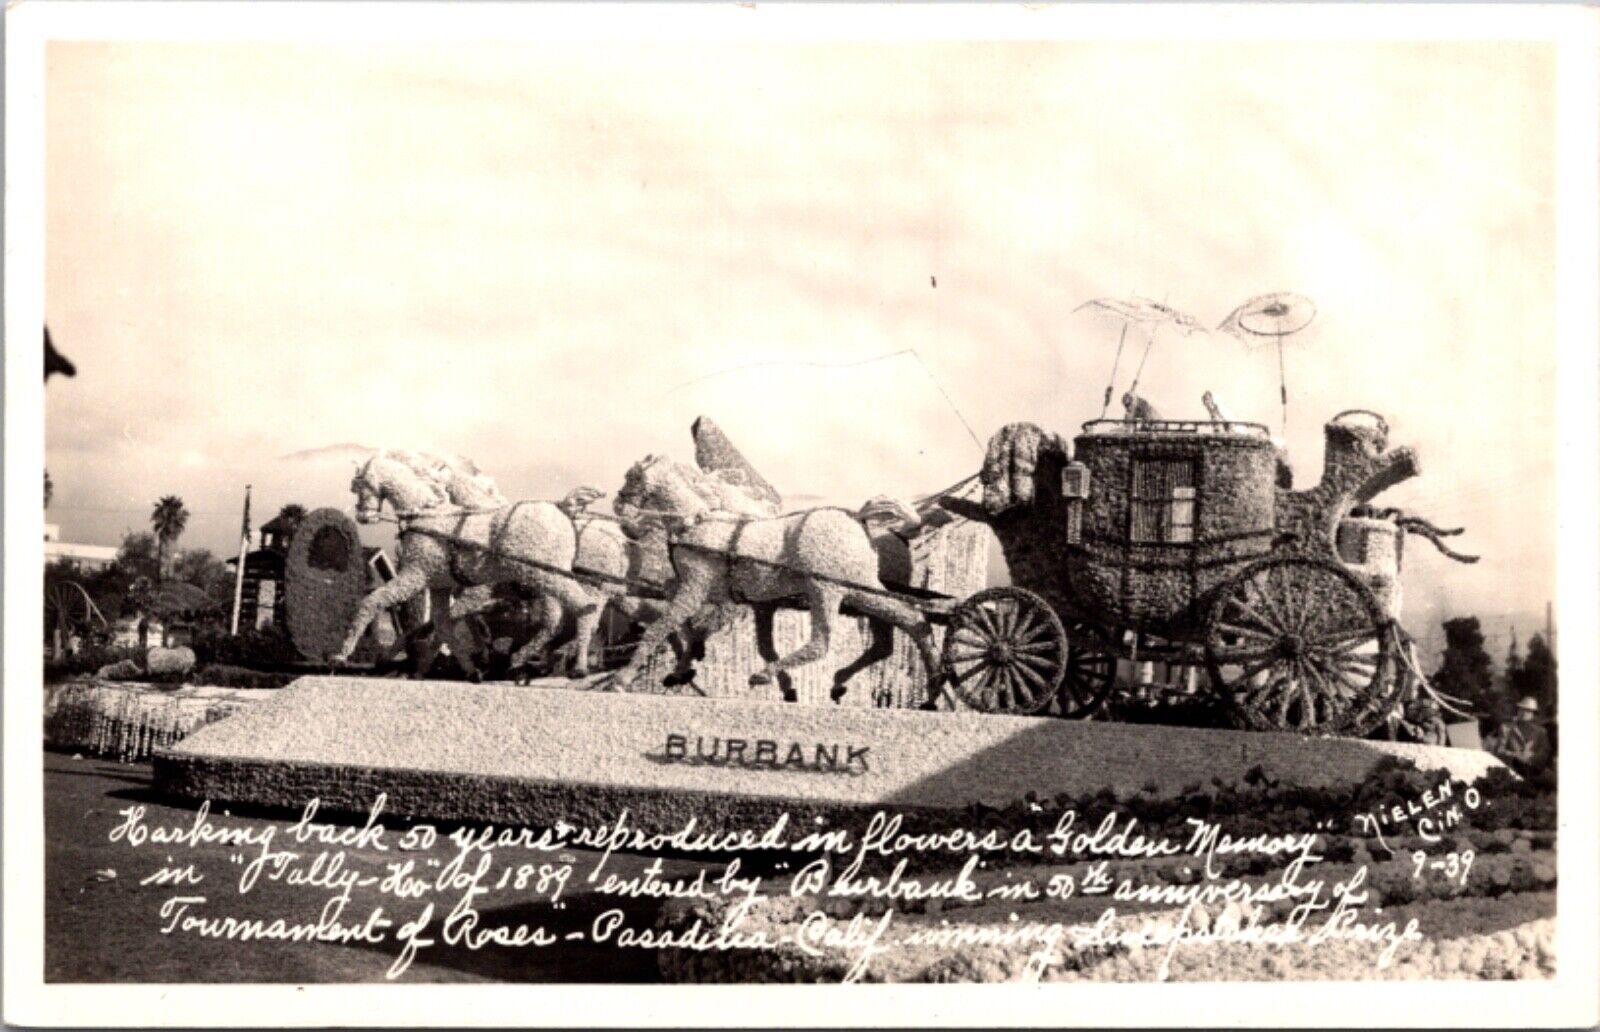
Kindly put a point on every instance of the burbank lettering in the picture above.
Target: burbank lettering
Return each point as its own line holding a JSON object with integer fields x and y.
{"x": 837, "y": 758}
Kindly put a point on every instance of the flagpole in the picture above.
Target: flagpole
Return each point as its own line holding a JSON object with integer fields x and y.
{"x": 238, "y": 577}
{"x": 1283, "y": 389}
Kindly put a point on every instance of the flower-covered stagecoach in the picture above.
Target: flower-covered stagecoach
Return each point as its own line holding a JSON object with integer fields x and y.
{"x": 1184, "y": 542}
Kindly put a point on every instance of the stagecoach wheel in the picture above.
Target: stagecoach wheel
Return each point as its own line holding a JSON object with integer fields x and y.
{"x": 1091, "y": 672}
{"x": 1396, "y": 687}
{"x": 1299, "y": 644}
{"x": 1005, "y": 651}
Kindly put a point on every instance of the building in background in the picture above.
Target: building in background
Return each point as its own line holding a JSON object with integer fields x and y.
{"x": 261, "y": 604}
{"x": 265, "y": 568}
{"x": 89, "y": 557}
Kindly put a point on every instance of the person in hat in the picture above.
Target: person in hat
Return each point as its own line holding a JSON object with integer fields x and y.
{"x": 1524, "y": 742}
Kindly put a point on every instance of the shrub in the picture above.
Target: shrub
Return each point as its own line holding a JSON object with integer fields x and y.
{"x": 86, "y": 660}
{"x": 221, "y": 675}
{"x": 169, "y": 662}
{"x": 122, "y": 670}
{"x": 263, "y": 648}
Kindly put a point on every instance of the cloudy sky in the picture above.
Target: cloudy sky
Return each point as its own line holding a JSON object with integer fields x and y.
{"x": 552, "y": 258}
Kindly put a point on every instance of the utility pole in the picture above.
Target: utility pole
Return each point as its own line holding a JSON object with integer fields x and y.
{"x": 238, "y": 576}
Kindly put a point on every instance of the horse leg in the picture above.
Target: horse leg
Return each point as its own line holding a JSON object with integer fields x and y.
{"x": 689, "y": 644}
{"x": 694, "y": 585}
{"x": 547, "y": 617}
{"x": 585, "y": 624}
{"x": 410, "y": 581}
{"x": 880, "y": 646}
{"x": 905, "y": 617}
{"x": 439, "y": 606}
{"x": 823, "y": 600}
{"x": 460, "y": 632}
{"x": 765, "y": 617}
{"x": 564, "y": 597}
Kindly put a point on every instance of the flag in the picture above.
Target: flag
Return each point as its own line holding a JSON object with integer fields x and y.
{"x": 238, "y": 573}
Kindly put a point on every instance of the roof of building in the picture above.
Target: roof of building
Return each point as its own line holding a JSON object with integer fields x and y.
{"x": 279, "y": 525}
{"x": 79, "y": 553}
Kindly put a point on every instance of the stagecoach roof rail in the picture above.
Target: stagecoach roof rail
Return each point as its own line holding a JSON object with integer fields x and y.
{"x": 1176, "y": 426}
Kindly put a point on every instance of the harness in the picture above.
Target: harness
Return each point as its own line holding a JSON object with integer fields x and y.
{"x": 731, "y": 558}
{"x": 406, "y": 522}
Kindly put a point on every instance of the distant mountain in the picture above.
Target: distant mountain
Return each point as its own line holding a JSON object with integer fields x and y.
{"x": 349, "y": 449}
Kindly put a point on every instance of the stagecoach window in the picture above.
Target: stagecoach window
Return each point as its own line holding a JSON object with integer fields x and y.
{"x": 1182, "y": 528}
{"x": 1352, "y": 544}
{"x": 1163, "y": 500}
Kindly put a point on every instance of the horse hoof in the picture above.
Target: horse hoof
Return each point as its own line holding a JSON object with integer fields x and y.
{"x": 759, "y": 680}
{"x": 476, "y": 677}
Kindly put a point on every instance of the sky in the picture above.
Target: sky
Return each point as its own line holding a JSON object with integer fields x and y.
{"x": 553, "y": 258}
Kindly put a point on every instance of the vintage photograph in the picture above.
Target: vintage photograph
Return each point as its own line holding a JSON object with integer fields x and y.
{"x": 731, "y": 506}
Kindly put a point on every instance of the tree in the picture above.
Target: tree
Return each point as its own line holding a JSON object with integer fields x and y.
{"x": 199, "y": 567}
{"x": 1466, "y": 671}
{"x": 1513, "y": 671}
{"x": 119, "y": 588}
{"x": 291, "y": 515}
{"x": 1538, "y": 676}
{"x": 138, "y": 555}
{"x": 167, "y": 519}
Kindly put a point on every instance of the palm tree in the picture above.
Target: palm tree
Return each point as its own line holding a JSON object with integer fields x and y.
{"x": 291, "y": 515}
{"x": 167, "y": 519}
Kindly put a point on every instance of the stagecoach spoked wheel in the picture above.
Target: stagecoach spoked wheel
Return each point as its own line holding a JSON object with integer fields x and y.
{"x": 1091, "y": 671}
{"x": 1005, "y": 651}
{"x": 1298, "y": 644}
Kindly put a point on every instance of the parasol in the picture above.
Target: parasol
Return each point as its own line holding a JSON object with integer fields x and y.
{"x": 1271, "y": 317}
{"x": 1150, "y": 314}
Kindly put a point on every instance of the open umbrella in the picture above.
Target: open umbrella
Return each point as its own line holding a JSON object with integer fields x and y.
{"x": 1271, "y": 317}
{"x": 1152, "y": 315}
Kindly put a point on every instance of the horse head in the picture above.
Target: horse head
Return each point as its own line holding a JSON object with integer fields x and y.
{"x": 656, "y": 490}
{"x": 579, "y": 499}
{"x": 369, "y": 496}
{"x": 385, "y": 478}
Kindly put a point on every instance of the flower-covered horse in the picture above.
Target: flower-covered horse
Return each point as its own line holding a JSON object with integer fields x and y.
{"x": 444, "y": 547}
{"x": 822, "y": 555}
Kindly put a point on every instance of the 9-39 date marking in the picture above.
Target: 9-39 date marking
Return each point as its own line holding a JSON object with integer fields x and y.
{"x": 1454, "y": 865}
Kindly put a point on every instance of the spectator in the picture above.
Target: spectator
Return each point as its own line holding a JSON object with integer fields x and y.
{"x": 1524, "y": 742}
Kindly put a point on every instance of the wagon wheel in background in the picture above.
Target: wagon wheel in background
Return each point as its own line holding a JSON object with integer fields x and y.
{"x": 1299, "y": 644}
{"x": 71, "y": 612}
{"x": 1005, "y": 651}
{"x": 1091, "y": 671}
